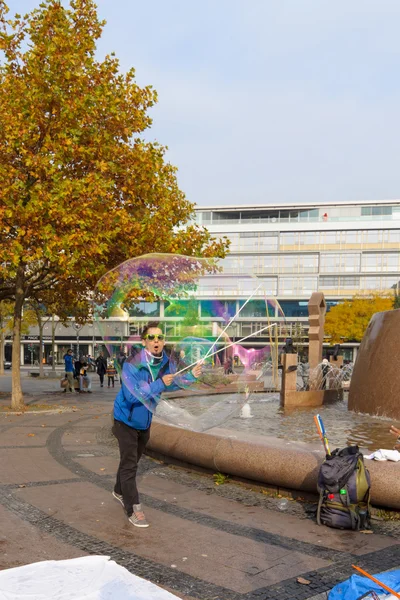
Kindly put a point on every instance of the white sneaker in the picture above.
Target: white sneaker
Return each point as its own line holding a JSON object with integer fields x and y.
{"x": 137, "y": 518}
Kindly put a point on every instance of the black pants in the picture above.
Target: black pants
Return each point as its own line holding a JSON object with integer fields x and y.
{"x": 132, "y": 443}
{"x": 101, "y": 375}
{"x": 110, "y": 380}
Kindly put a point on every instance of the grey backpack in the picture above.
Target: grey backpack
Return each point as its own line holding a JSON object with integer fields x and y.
{"x": 344, "y": 490}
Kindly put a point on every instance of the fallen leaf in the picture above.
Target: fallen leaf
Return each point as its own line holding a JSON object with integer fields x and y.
{"x": 366, "y": 531}
{"x": 31, "y": 435}
{"x": 43, "y": 425}
{"x": 102, "y": 469}
{"x": 22, "y": 485}
{"x": 303, "y": 581}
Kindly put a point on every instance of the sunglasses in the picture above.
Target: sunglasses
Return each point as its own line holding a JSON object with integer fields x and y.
{"x": 151, "y": 337}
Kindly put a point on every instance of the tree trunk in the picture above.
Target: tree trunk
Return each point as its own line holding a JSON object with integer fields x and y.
{"x": 53, "y": 343}
{"x": 40, "y": 325}
{"x": 2, "y": 344}
{"x": 17, "y": 399}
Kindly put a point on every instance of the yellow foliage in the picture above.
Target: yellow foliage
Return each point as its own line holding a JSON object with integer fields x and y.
{"x": 81, "y": 191}
{"x": 348, "y": 320}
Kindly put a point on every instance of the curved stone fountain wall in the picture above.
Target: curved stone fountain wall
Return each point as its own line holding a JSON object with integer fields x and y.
{"x": 275, "y": 462}
{"x": 375, "y": 382}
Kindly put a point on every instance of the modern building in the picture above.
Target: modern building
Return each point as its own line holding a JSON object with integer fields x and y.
{"x": 341, "y": 249}
{"x": 292, "y": 250}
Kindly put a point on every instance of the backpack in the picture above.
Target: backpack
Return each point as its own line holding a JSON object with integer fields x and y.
{"x": 344, "y": 487}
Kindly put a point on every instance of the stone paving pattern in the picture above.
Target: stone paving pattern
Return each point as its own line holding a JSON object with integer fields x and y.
{"x": 205, "y": 542}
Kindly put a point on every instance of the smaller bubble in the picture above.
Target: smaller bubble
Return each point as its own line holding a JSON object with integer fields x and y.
{"x": 283, "y": 504}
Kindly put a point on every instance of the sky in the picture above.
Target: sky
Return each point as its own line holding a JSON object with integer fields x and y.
{"x": 267, "y": 101}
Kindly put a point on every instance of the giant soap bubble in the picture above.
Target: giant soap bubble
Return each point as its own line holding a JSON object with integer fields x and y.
{"x": 227, "y": 323}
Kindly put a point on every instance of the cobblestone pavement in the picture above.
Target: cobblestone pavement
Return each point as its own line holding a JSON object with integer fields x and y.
{"x": 226, "y": 542}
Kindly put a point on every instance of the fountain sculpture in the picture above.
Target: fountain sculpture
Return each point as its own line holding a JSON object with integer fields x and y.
{"x": 375, "y": 381}
{"x": 321, "y": 387}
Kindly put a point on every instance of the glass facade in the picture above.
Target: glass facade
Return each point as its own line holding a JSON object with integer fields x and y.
{"x": 145, "y": 309}
{"x": 335, "y": 260}
{"x": 256, "y": 308}
{"x": 294, "y": 308}
{"x": 299, "y": 214}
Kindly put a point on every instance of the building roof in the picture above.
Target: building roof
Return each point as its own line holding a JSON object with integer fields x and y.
{"x": 295, "y": 206}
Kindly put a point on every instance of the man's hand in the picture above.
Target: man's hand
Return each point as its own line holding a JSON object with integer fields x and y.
{"x": 396, "y": 432}
{"x": 196, "y": 372}
{"x": 168, "y": 379}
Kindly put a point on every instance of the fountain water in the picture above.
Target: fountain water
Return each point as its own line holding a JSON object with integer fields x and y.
{"x": 245, "y": 412}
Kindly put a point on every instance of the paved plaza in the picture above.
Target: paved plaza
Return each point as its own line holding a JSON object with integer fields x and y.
{"x": 224, "y": 542}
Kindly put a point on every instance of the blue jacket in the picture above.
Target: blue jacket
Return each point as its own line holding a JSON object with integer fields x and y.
{"x": 139, "y": 394}
{"x": 69, "y": 365}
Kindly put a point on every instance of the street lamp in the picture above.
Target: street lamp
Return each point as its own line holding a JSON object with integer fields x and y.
{"x": 77, "y": 328}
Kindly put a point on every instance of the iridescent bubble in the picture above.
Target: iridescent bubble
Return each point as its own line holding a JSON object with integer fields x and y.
{"x": 226, "y": 323}
{"x": 283, "y": 504}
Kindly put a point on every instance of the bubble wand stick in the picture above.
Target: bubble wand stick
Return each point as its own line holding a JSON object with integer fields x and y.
{"x": 322, "y": 433}
{"x": 228, "y": 346}
{"x": 231, "y": 321}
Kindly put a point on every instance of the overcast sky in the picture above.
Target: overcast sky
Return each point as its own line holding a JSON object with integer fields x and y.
{"x": 267, "y": 101}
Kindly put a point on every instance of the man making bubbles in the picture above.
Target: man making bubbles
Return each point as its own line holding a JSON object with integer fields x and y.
{"x": 144, "y": 377}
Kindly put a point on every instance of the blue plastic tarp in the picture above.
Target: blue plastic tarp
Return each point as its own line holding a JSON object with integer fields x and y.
{"x": 357, "y": 586}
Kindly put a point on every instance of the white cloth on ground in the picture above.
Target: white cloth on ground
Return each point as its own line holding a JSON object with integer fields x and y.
{"x": 85, "y": 578}
{"x": 393, "y": 455}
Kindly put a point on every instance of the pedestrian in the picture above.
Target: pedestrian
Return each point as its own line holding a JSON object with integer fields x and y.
{"x": 101, "y": 364}
{"x": 144, "y": 377}
{"x": 85, "y": 382}
{"x": 325, "y": 368}
{"x": 120, "y": 360}
{"x": 228, "y": 364}
{"x": 78, "y": 366}
{"x": 69, "y": 371}
{"x": 111, "y": 373}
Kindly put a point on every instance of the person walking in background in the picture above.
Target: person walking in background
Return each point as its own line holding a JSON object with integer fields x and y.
{"x": 101, "y": 364}
{"x": 120, "y": 360}
{"x": 111, "y": 373}
{"x": 69, "y": 371}
{"x": 325, "y": 368}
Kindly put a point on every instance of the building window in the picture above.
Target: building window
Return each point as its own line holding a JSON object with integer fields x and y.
{"x": 256, "y": 308}
{"x": 339, "y": 282}
{"x": 294, "y": 308}
{"x": 297, "y": 285}
{"x": 289, "y": 238}
{"x": 373, "y": 237}
{"x": 380, "y": 283}
{"x": 223, "y": 309}
{"x": 340, "y": 262}
{"x": 145, "y": 309}
{"x": 380, "y": 262}
{"x": 394, "y": 236}
{"x": 367, "y": 211}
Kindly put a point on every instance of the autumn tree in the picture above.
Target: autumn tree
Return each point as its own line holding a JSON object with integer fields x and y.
{"x": 348, "y": 320}
{"x": 396, "y": 299}
{"x": 80, "y": 191}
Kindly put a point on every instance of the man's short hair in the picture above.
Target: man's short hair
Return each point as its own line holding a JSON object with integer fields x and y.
{"x": 150, "y": 325}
